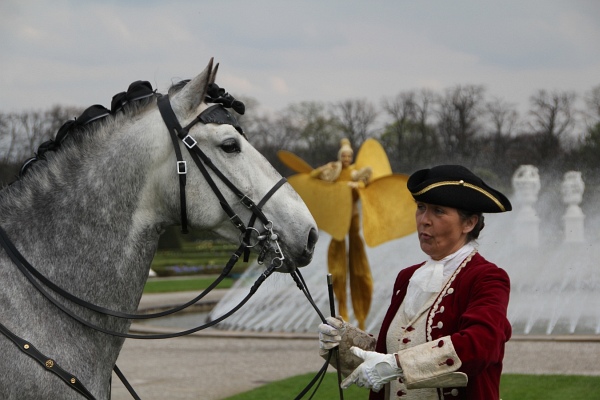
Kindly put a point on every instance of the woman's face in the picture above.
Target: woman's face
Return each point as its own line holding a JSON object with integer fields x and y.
{"x": 346, "y": 158}
{"x": 441, "y": 229}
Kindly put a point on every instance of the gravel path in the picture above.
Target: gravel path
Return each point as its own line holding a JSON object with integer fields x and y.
{"x": 212, "y": 364}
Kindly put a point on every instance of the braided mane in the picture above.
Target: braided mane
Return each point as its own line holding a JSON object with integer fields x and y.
{"x": 95, "y": 118}
{"x": 124, "y": 105}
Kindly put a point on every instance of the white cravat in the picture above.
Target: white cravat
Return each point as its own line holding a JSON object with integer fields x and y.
{"x": 430, "y": 277}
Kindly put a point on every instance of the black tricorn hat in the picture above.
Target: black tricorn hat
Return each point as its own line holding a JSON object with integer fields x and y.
{"x": 455, "y": 186}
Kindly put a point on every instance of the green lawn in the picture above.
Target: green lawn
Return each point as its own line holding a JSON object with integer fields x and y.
{"x": 211, "y": 256}
{"x": 512, "y": 387}
{"x": 196, "y": 283}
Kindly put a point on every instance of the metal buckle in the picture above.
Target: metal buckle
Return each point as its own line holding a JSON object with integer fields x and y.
{"x": 181, "y": 167}
{"x": 237, "y": 221}
{"x": 247, "y": 202}
{"x": 189, "y": 141}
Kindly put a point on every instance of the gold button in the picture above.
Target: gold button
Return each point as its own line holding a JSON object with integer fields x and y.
{"x": 49, "y": 363}
{"x": 26, "y": 346}
{"x": 73, "y": 380}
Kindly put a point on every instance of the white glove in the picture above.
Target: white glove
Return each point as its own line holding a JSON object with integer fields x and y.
{"x": 330, "y": 334}
{"x": 377, "y": 370}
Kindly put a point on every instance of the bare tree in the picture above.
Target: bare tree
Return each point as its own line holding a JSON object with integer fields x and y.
{"x": 503, "y": 118}
{"x": 7, "y": 137}
{"x": 402, "y": 110}
{"x": 22, "y": 133}
{"x": 314, "y": 132}
{"x": 586, "y": 156}
{"x": 459, "y": 115}
{"x": 410, "y": 138}
{"x": 552, "y": 119}
{"x": 356, "y": 119}
{"x": 592, "y": 101}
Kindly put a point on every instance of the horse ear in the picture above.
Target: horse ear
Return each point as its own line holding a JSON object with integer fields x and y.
{"x": 213, "y": 76}
{"x": 192, "y": 94}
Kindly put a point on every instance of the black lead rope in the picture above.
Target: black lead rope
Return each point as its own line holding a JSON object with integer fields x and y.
{"x": 70, "y": 379}
{"x": 64, "y": 309}
{"x": 335, "y": 350}
{"x": 299, "y": 279}
{"x": 20, "y": 261}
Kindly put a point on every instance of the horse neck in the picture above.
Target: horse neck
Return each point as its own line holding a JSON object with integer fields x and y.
{"x": 75, "y": 218}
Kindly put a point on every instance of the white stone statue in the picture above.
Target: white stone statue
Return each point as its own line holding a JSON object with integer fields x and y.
{"x": 526, "y": 184}
{"x": 572, "y": 189}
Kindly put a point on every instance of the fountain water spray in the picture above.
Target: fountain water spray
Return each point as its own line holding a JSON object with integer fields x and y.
{"x": 553, "y": 266}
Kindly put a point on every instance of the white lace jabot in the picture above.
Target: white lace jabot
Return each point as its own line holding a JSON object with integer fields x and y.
{"x": 429, "y": 279}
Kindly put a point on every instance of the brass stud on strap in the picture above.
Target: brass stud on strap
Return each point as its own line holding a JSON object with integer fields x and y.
{"x": 26, "y": 346}
{"x": 461, "y": 182}
{"x": 73, "y": 381}
{"x": 49, "y": 363}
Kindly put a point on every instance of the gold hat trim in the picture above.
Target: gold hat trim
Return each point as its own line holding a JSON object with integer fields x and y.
{"x": 461, "y": 183}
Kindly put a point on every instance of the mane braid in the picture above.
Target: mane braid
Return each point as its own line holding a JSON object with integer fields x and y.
{"x": 94, "y": 128}
{"x": 98, "y": 121}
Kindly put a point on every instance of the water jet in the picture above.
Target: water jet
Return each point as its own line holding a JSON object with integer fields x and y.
{"x": 551, "y": 260}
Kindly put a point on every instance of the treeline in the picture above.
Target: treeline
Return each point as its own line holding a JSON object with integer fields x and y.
{"x": 462, "y": 124}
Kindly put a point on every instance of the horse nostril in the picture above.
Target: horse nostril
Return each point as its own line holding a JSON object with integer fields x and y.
{"x": 313, "y": 236}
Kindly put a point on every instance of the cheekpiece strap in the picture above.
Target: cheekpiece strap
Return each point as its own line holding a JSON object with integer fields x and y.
{"x": 175, "y": 130}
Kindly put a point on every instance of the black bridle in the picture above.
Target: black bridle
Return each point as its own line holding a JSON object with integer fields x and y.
{"x": 249, "y": 237}
{"x": 215, "y": 114}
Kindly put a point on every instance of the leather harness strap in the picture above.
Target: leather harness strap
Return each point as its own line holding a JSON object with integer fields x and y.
{"x": 23, "y": 264}
{"x": 46, "y": 362}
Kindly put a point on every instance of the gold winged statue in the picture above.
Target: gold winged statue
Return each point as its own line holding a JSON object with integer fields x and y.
{"x": 332, "y": 192}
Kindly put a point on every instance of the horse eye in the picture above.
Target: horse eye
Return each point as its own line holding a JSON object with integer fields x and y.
{"x": 230, "y": 146}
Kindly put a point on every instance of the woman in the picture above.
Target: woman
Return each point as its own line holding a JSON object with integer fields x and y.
{"x": 354, "y": 262}
{"x": 444, "y": 333}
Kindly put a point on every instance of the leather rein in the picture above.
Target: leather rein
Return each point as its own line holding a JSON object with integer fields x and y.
{"x": 249, "y": 237}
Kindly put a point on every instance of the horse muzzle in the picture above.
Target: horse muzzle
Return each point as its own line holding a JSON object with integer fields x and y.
{"x": 295, "y": 259}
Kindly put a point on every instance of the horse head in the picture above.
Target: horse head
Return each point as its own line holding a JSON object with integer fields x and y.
{"x": 239, "y": 172}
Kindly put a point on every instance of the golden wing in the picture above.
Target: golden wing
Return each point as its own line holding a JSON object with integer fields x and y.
{"x": 330, "y": 203}
{"x": 293, "y": 161}
{"x": 388, "y": 210}
{"x": 371, "y": 154}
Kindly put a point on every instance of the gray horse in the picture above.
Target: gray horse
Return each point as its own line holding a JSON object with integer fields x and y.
{"x": 89, "y": 219}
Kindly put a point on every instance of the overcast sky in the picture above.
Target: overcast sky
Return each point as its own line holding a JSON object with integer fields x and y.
{"x": 81, "y": 52}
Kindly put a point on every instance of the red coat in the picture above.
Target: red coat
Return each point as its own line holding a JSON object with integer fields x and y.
{"x": 474, "y": 317}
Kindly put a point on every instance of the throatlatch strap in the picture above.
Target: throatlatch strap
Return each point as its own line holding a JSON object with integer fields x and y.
{"x": 49, "y": 364}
